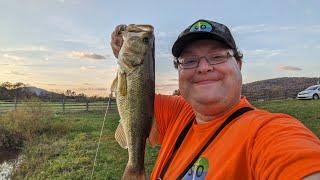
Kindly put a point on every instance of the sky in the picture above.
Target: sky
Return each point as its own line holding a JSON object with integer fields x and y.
{"x": 65, "y": 44}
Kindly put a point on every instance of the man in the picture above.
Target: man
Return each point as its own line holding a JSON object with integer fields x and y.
{"x": 211, "y": 131}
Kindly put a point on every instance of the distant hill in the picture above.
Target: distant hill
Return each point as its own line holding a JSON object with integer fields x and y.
{"x": 278, "y": 88}
{"x": 35, "y": 90}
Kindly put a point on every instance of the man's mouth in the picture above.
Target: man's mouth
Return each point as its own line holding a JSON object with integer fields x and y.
{"x": 208, "y": 81}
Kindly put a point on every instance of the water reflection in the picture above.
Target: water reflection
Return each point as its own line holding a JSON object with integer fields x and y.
{"x": 8, "y": 161}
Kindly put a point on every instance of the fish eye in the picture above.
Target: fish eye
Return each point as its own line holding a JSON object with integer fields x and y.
{"x": 145, "y": 40}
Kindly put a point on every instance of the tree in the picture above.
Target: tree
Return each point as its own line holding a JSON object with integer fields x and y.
{"x": 12, "y": 90}
{"x": 81, "y": 97}
{"x": 4, "y": 94}
{"x": 7, "y": 85}
{"x": 17, "y": 89}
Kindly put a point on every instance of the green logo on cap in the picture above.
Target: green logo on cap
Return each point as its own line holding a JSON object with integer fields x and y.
{"x": 201, "y": 26}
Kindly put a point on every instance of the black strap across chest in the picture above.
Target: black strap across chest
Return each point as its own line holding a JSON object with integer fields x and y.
{"x": 185, "y": 131}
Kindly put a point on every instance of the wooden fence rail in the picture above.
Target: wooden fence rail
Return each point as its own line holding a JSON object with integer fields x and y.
{"x": 63, "y": 106}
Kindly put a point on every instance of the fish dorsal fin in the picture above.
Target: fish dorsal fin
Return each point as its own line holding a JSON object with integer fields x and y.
{"x": 123, "y": 84}
{"x": 114, "y": 84}
{"x": 121, "y": 137}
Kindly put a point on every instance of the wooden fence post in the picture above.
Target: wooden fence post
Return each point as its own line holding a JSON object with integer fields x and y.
{"x": 87, "y": 104}
{"x": 63, "y": 105}
{"x": 15, "y": 103}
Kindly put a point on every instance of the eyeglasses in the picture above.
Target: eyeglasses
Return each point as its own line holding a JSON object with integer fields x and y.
{"x": 191, "y": 62}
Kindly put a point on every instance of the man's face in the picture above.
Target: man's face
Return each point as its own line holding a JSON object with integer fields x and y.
{"x": 210, "y": 89}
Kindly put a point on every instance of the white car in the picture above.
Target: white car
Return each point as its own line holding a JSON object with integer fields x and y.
{"x": 312, "y": 92}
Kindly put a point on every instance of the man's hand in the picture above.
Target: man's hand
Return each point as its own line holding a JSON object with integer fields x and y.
{"x": 116, "y": 39}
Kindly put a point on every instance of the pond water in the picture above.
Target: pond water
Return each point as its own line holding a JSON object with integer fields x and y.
{"x": 8, "y": 161}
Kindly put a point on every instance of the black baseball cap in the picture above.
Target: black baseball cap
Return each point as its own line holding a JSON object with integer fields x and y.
{"x": 203, "y": 29}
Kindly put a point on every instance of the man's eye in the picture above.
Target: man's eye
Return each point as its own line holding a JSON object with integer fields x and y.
{"x": 190, "y": 61}
{"x": 216, "y": 58}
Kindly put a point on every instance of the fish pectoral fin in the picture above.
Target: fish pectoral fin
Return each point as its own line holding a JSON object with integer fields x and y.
{"x": 114, "y": 84}
{"x": 123, "y": 84}
{"x": 121, "y": 137}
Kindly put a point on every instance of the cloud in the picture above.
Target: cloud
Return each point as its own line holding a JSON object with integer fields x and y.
{"x": 308, "y": 12}
{"x": 91, "y": 89}
{"x": 74, "y": 41}
{"x": 250, "y": 28}
{"x": 161, "y": 55}
{"x": 290, "y": 68}
{"x": 87, "y": 68}
{"x": 26, "y": 49}
{"x": 15, "y": 73}
{"x": 85, "y": 55}
{"x": 13, "y": 57}
{"x": 166, "y": 86}
{"x": 46, "y": 84}
{"x": 162, "y": 34}
{"x": 263, "y": 53}
{"x": 72, "y": 32}
{"x": 269, "y": 28}
{"x": 82, "y": 39}
{"x": 174, "y": 79}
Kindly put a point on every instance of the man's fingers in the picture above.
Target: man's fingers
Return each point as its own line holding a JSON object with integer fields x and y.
{"x": 115, "y": 49}
{"x": 116, "y": 39}
{"x": 120, "y": 28}
{"x": 116, "y": 44}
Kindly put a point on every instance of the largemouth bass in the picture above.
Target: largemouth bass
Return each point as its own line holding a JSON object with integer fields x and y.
{"x": 135, "y": 89}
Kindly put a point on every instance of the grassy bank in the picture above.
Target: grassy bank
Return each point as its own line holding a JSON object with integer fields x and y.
{"x": 70, "y": 155}
{"x": 23, "y": 126}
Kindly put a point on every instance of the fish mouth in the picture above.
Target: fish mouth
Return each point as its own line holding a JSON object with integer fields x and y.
{"x": 140, "y": 28}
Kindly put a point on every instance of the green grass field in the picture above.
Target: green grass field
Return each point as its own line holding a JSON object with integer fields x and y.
{"x": 71, "y": 156}
{"x": 307, "y": 111}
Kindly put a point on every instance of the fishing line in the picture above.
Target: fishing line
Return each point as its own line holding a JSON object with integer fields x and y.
{"x": 104, "y": 119}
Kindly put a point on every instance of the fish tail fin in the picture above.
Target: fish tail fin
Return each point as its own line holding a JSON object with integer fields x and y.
{"x": 133, "y": 174}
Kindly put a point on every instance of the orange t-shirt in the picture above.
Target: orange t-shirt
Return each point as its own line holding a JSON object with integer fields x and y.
{"x": 256, "y": 145}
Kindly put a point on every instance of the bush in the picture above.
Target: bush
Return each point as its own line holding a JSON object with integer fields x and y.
{"x": 10, "y": 141}
{"x": 30, "y": 120}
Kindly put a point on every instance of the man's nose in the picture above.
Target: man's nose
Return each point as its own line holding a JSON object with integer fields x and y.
{"x": 204, "y": 66}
